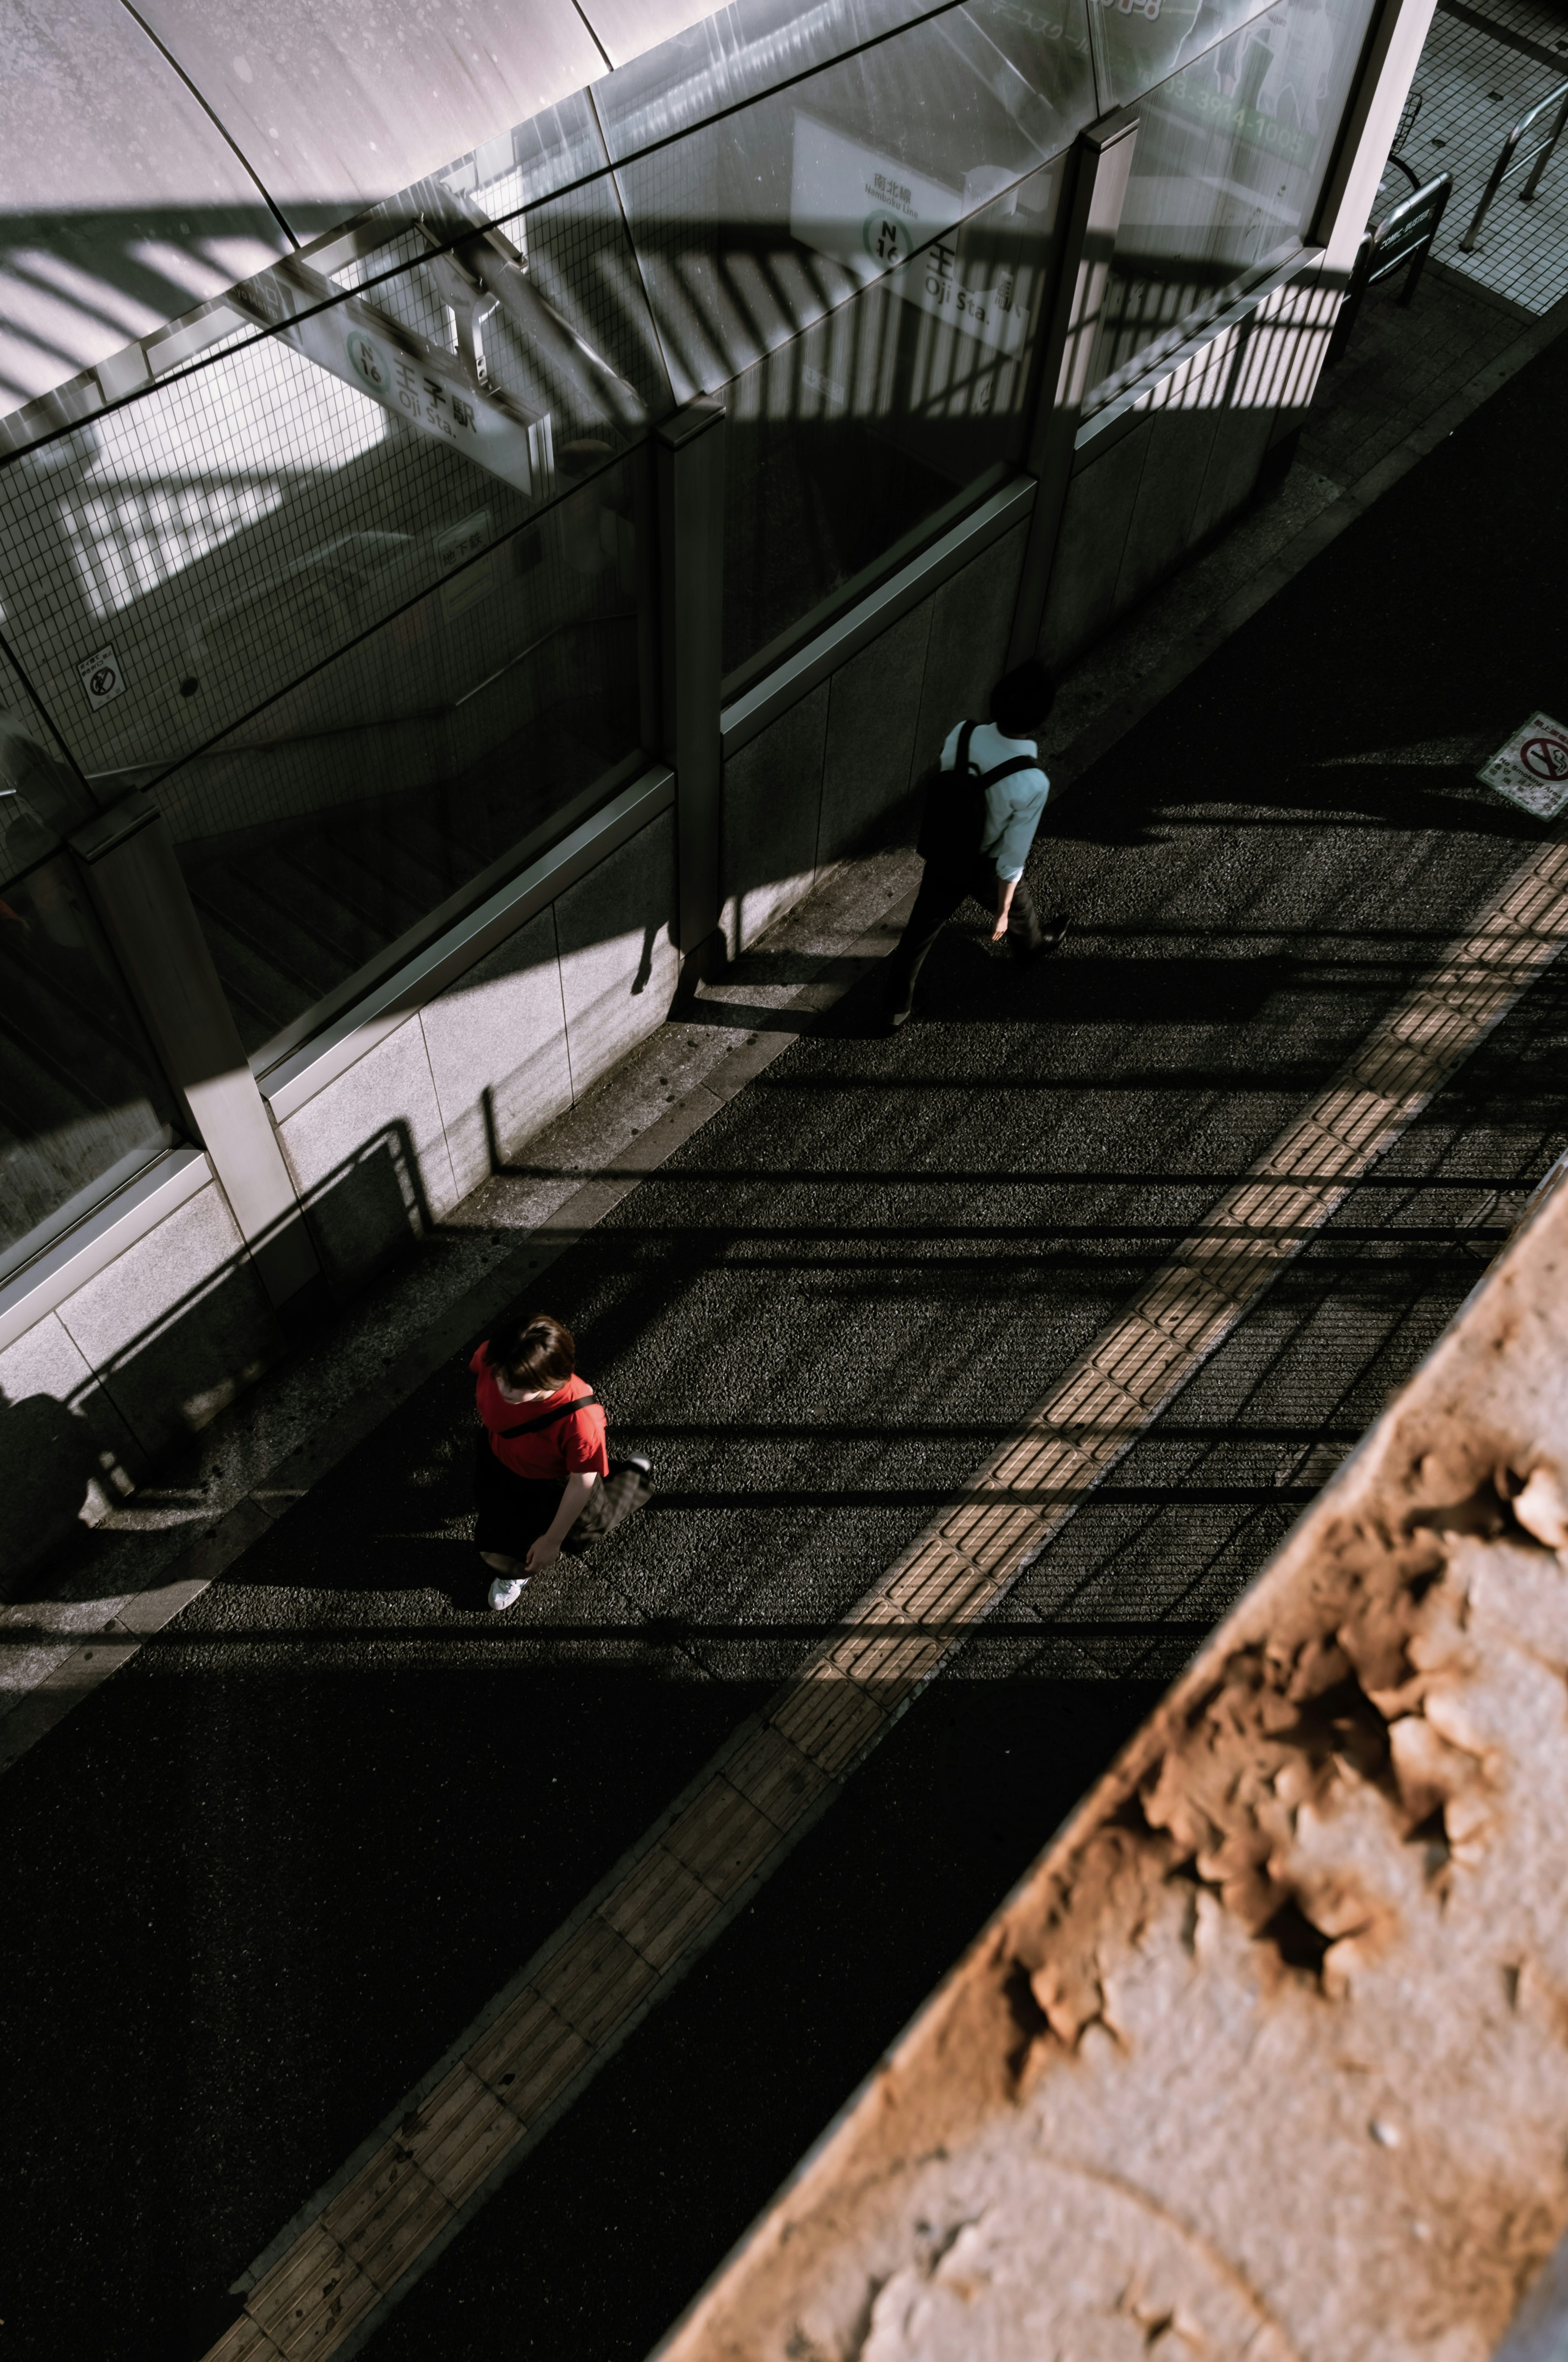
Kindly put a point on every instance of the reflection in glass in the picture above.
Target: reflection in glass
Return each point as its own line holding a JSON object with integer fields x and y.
{"x": 1138, "y": 43}
{"x": 754, "y": 227}
{"x": 739, "y": 52}
{"x": 1231, "y": 159}
{"x": 80, "y": 1104}
{"x": 333, "y": 827}
{"x": 233, "y": 528}
{"x": 864, "y": 430}
{"x": 41, "y": 799}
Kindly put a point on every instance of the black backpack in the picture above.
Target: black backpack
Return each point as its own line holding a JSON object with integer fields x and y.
{"x": 952, "y": 816}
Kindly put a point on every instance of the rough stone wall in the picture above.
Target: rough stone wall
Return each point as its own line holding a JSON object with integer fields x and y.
{"x": 1269, "y": 2055}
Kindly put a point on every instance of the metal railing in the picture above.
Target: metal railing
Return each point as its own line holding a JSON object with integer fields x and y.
{"x": 1510, "y": 162}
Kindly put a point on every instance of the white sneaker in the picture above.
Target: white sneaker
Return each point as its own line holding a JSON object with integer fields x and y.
{"x": 507, "y": 1589}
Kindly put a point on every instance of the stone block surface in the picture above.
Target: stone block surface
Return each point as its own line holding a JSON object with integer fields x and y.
{"x": 369, "y": 1156}
{"x": 1241, "y": 439}
{"x": 1093, "y": 535}
{"x": 178, "y": 1325}
{"x": 497, "y": 1045}
{"x": 872, "y": 711}
{"x": 618, "y": 965}
{"x": 972, "y": 616}
{"x": 1161, "y": 527}
{"x": 773, "y": 796}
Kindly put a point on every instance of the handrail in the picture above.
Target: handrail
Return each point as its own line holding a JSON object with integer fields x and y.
{"x": 1507, "y": 163}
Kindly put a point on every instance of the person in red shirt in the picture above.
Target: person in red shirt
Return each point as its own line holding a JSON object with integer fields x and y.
{"x": 533, "y": 1485}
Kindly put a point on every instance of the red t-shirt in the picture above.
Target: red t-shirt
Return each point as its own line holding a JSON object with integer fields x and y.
{"x": 563, "y": 1448}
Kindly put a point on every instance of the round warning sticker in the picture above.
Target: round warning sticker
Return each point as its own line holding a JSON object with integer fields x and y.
{"x": 369, "y": 361}
{"x": 1545, "y": 758}
{"x": 887, "y": 239}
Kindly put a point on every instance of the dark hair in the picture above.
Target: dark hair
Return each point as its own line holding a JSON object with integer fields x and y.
{"x": 1022, "y": 699}
{"x": 534, "y": 1353}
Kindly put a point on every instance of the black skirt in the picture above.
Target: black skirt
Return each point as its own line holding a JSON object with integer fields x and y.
{"x": 513, "y": 1510}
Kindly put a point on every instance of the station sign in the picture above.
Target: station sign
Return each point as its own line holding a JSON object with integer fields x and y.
{"x": 882, "y": 220}
{"x": 419, "y": 383}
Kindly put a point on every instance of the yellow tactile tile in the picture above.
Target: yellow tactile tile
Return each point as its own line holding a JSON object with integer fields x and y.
{"x": 721, "y": 1836}
{"x": 993, "y": 1535}
{"x": 943, "y": 1593}
{"x": 387, "y": 2215}
{"x": 246, "y": 2342}
{"x": 890, "y": 1664}
{"x": 659, "y": 1906}
{"x": 1043, "y": 1465}
{"x": 459, "y": 2133}
{"x": 529, "y": 2055}
{"x": 829, "y": 1719}
{"x": 776, "y": 1777}
{"x": 595, "y": 1980}
{"x": 312, "y": 2297}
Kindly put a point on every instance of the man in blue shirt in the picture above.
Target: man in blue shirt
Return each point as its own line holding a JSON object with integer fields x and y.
{"x": 981, "y": 812}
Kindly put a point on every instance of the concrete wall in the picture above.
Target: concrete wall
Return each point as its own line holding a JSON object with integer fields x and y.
{"x": 834, "y": 772}
{"x": 1153, "y": 481}
{"x": 390, "y": 1145}
{"x": 149, "y": 1348}
{"x": 172, "y": 1328}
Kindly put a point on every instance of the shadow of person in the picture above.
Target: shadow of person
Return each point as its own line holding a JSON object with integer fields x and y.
{"x": 46, "y": 1457}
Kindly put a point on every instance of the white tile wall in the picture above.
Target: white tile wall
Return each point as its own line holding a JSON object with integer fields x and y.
{"x": 1474, "y": 88}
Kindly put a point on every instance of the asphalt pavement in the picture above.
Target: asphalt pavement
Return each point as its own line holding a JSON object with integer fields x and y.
{"x": 259, "y": 1880}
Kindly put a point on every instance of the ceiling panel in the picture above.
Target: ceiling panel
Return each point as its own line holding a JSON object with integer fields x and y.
{"x": 338, "y": 105}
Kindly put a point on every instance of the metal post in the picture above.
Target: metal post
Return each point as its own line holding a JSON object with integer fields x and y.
{"x": 1102, "y": 165}
{"x": 140, "y": 892}
{"x": 690, "y": 457}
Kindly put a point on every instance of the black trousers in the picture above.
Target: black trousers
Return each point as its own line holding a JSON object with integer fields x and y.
{"x": 944, "y": 888}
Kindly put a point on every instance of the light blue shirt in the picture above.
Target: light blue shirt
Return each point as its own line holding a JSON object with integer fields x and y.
{"x": 1013, "y": 807}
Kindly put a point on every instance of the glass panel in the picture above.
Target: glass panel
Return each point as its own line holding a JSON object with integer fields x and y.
{"x": 860, "y": 434}
{"x": 1230, "y": 158}
{"x": 175, "y": 565}
{"x": 41, "y": 799}
{"x": 1138, "y": 43}
{"x": 754, "y": 227}
{"x": 327, "y": 832}
{"x": 739, "y": 53}
{"x": 80, "y": 1104}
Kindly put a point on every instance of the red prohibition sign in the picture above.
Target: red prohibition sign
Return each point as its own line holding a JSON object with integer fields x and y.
{"x": 1544, "y": 758}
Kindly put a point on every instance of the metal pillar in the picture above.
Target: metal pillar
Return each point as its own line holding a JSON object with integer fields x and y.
{"x": 139, "y": 893}
{"x": 689, "y": 449}
{"x": 1102, "y": 165}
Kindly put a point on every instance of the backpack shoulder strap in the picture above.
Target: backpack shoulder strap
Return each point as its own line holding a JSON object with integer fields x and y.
{"x": 960, "y": 752}
{"x": 548, "y": 1418}
{"x": 1006, "y": 771}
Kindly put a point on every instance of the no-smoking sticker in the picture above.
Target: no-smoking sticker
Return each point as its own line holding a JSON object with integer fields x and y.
{"x": 102, "y": 678}
{"x": 1532, "y": 769}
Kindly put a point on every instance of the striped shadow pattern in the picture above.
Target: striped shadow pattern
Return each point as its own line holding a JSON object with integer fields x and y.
{"x": 323, "y": 2285}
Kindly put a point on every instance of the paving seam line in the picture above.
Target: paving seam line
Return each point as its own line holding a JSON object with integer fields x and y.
{"x": 40, "y": 1707}
{"x": 325, "y": 2285}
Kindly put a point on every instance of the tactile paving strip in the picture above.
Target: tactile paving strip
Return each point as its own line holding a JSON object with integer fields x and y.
{"x": 609, "y": 1966}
